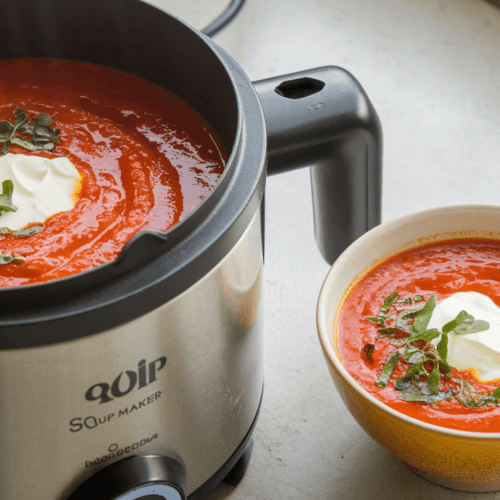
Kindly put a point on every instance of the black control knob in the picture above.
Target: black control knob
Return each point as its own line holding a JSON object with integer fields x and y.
{"x": 139, "y": 477}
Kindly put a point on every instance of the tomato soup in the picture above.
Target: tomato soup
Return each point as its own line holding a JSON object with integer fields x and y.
{"x": 146, "y": 159}
{"x": 389, "y": 341}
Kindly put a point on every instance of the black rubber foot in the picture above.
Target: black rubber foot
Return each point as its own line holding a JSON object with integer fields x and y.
{"x": 238, "y": 471}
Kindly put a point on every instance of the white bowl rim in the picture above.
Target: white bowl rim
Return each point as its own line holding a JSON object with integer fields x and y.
{"x": 324, "y": 330}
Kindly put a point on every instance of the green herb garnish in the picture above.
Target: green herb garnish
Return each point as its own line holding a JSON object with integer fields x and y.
{"x": 465, "y": 323}
{"x": 407, "y": 326}
{"x": 21, "y": 233}
{"x": 368, "y": 349}
{"x": 470, "y": 397}
{"x": 380, "y": 318}
{"x": 389, "y": 366}
{"x": 42, "y": 136}
{"x": 7, "y": 259}
{"x": 6, "y": 204}
{"x": 423, "y": 316}
{"x": 27, "y": 231}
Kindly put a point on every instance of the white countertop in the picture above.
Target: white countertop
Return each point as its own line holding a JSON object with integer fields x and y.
{"x": 432, "y": 70}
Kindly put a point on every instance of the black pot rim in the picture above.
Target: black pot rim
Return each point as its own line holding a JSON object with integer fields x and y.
{"x": 120, "y": 291}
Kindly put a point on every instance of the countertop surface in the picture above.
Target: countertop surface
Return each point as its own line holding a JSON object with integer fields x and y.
{"x": 432, "y": 70}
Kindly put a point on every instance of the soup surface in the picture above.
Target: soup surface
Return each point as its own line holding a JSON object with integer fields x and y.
{"x": 405, "y": 334}
{"x": 145, "y": 158}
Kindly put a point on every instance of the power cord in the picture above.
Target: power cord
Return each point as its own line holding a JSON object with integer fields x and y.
{"x": 224, "y": 19}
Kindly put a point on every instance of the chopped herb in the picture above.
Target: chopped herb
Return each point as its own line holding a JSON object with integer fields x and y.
{"x": 392, "y": 331}
{"x": 416, "y": 350}
{"x": 416, "y": 369}
{"x": 6, "y": 204}
{"x": 433, "y": 379}
{"x": 426, "y": 336}
{"x": 418, "y": 395}
{"x": 410, "y": 315}
{"x": 476, "y": 326}
{"x": 417, "y": 357}
{"x": 5, "y": 259}
{"x": 465, "y": 323}
{"x": 423, "y": 316}
{"x": 15, "y": 259}
{"x": 469, "y": 396}
{"x": 27, "y": 231}
{"x": 442, "y": 347}
{"x": 42, "y": 136}
{"x": 389, "y": 366}
{"x": 368, "y": 350}
{"x": 19, "y": 141}
{"x": 380, "y": 318}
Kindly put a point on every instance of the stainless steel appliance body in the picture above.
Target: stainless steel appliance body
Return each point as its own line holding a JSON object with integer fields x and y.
{"x": 186, "y": 376}
{"x": 143, "y": 377}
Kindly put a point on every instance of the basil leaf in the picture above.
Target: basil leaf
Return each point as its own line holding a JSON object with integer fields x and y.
{"x": 411, "y": 314}
{"x": 426, "y": 336}
{"x": 21, "y": 119}
{"x": 48, "y": 146}
{"x": 496, "y": 393}
{"x": 42, "y": 136}
{"x": 442, "y": 347}
{"x": 476, "y": 326}
{"x": 368, "y": 349}
{"x": 6, "y": 204}
{"x": 380, "y": 318}
{"x": 404, "y": 301}
{"x": 462, "y": 317}
{"x": 388, "y": 302}
{"x": 433, "y": 379}
{"x": 417, "y": 357}
{"x": 43, "y": 120}
{"x": 423, "y": 316}
{"x": 28, "y": 231}
{"x": 19, "y": 141}
{"x": 5, "y": 259}
{"x": 410, "y": 396}
{"x": 6, "y": 129}
{"x": 414, "y": 370}
{"x": 402, "y": 383}
{"x": 405, "y": 381}
{"x": 465, "y": 323}
{"x": 391, "y": 331}
{"x": 389, "y": 366}
{"x": 472, "y": 398}
{"x": 379, "y": 321}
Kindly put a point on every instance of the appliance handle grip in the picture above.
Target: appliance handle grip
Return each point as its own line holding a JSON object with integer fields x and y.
{"x": 323, "y": 118}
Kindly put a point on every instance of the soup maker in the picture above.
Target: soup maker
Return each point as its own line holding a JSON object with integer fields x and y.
{"x": 143, "y": 378}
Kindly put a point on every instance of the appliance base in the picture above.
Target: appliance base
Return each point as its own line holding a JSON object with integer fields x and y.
{"x": 234, "y": 469}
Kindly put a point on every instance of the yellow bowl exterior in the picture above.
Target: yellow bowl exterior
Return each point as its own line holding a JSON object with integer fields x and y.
{"x": 467, "y": 461}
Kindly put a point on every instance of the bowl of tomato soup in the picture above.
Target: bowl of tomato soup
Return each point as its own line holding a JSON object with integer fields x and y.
{"x": 409, "y": 320}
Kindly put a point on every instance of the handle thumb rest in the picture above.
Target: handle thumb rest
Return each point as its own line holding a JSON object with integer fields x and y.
{"x": 322, "y": 118}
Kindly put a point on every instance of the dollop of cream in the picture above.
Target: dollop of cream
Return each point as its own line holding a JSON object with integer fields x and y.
{"x": 42, "y": 187}
{"x": 477, "y": 352}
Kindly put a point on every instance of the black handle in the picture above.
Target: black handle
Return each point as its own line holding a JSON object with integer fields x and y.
{"x": 323, "y": 118}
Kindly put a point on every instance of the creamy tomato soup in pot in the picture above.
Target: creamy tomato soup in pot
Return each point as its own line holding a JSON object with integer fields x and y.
{"x": 91, "y": 156}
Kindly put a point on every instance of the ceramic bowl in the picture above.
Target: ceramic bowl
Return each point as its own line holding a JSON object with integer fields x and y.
{"x": 466, "y": 461}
